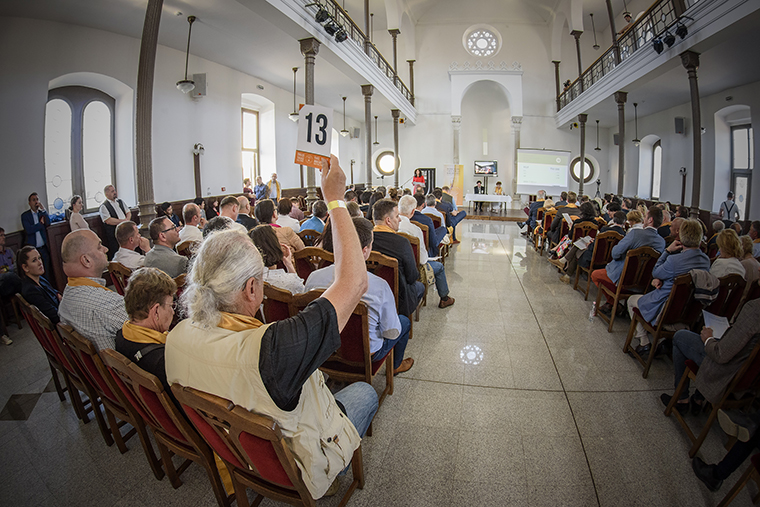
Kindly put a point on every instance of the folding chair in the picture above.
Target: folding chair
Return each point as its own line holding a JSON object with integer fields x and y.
{"x": 310, "y": 259}
{"x": 750, "y": 473}
{"x": 729, "y": 297}
{"x": 173, "y": 433}
{"x": 423, "y": 274}
{"x": 119, "y": 276}
{"x": 635, "y": 279}
{"x": 600, "y": 257}
{"x": 680, "y": 308}
{"x": 310, "y": 237}
{"x": 254, "y": 450}
{"x": 187, "y": 247}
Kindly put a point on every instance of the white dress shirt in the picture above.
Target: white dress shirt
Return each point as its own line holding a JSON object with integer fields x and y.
{"x": 407, "y": 227}
{"x": 129, "y": 258}
{"x": 288, "y": 221}
{"x": 190, "y": 233}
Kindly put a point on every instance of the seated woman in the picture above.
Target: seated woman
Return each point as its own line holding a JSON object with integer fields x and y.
{"x": 587, "y": 216}
{"x": 212, "y": 208}
{"x": 34, "y": 287}
{"x": 266, "y": 214}
{"x": 730, "y": 256}
{"x": 165, "y": 210}
{"x": 272, "y": 253}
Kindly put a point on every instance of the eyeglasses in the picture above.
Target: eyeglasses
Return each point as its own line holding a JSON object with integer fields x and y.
{"x": 172, "y": 228}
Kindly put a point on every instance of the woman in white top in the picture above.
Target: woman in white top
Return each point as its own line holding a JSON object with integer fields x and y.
{"x": 729, "y": 261}
{"x": 77, "y": 221}
{"x": 272, "y": 253}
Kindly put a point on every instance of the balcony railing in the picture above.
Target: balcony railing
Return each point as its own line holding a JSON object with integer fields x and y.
{"x": 356, "y": 35}
{"x": 660, "y": 16}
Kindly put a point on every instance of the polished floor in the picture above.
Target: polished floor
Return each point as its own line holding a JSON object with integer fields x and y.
{"x": 516, "y": 398}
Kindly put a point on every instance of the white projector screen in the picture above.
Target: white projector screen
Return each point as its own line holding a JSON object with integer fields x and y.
{"x": 542, "y": 170}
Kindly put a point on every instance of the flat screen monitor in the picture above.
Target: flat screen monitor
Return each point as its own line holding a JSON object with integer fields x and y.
{"x": 486, "y": 168}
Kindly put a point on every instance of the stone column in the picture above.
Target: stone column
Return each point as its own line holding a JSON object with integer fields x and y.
{"x": 556, "y": 80}
{"x": 144, "y": 115}
{"x": 309, "y": 50}
{"x": 690, "y": 61}
{"x": 620, "y": 98}
{"x": 411, "y": 78}
{"x": 395, "y": 114}
{"x": 613, "y": 32}
{"x": 367, "y": 92}
{"x": 582, "y": 121}
{"x": 367, "y": 38}
{"x": 577, "y": 35}
{"x": 395, "y": 32}
{"x": 456, "y": 123}
{"x": 516, "y": 126}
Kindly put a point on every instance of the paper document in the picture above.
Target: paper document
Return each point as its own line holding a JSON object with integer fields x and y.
{"x": 583, "y": 243}
{"x": 719, "y": 325}
{"x": 568, "y": 219}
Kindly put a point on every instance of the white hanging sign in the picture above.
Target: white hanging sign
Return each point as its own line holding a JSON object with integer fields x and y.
{"x": 314, "y": 136}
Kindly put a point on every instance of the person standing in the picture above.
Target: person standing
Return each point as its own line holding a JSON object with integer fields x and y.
{"x": 36, "y": 221}
{"x": 418, "y": 182}
{"x": 113, "y": 211}
{"x": 273, "y": 190}
{"x": 260, "y": 190}
{"x": 729, "y": 211}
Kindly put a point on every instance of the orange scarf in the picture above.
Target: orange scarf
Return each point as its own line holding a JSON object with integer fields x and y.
{"x": 139, "y": 334}
{"x": 383, "y": 228}
{"x": 236, "y": 322}
{"x": 80, "y": 281}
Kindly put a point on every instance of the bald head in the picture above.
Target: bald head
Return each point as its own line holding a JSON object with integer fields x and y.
{"x": 675, "y": 226}
{"x": 83, "y": 254}
{"x": 244, "y": 205}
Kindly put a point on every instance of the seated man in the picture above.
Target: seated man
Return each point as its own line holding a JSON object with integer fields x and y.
{"x": 267, "y": 214}
{"x": 533, "y": 212}
{"x": 350, "y": 196}
{"x": 430, "y": 209}
{"x": 639, "y": 235}
{"x": 318, "y": 216}
{"x": 436, "y": 234}
{"x": 668, "y": 267}
{"x": 87, "y": 305}
{"x": 220, "y": 223}
{"x": 165, "y": 237}
{"x": 244, "y": 214}
{"x": 365, "y": 197}
{"x": 272, "y": 369}
{"x": 387, "y": 242}
{"x": 562, "y": 200}
{"x": 406, "y": 210}
{"x": 191, "y": 213}
{"x": 717, "y": 226}
{"x": 149, "y": 301}
{"x": 229, "y": 208}
{"x": 618, "y": 223}
{"x": 571, "y": 208}
{"x": 129, "y": 239}
{"x": 450, "y": 211}
{"x": 387, "y": 329}
{"x": 284, "y": 207}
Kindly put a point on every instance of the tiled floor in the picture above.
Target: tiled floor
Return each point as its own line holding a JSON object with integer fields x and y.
{"x": 516, "y": 398}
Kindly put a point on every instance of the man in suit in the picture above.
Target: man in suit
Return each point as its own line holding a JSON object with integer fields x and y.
{"x": 571, "y": 208}
{"x": 639, "y": 235}
{"x": 436, "y": 235}
{"x": 479, "y": 189}
{"x": 165, "y": 237}
{"x": 533, "y": 212}
{"x": 318, "y": 217}
{"x": 387, "y": 242}
{"x": 36, "y": 221}
{"x": 450, "y": 212}
{"x": 113, "y": 211}
{"x": 244, "y": 214}
{"x": 447, "y": 197}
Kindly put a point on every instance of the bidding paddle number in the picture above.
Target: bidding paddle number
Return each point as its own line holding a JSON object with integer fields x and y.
{"x": 314, "y": 136}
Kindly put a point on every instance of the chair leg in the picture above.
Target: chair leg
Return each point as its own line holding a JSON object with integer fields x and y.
{"x": 737, "y": 487}
{"x": 705, "y": 430}
{"x": 652, "y": 350}
{"x": 57, "y": 382}
{"x": 15, "y": 312}
{"x": 166, "y": 459}
{"x": 629, "y": 338}
{"x": 577, "y": 277}
{"x": 115, "y": 431}
{"x": 613, "y": 314}
{"x": 588, "y": 285}
{"x": 150, "y": 454}
{"x": 209, "y": 464}
{"x": 677, "y": 394}
{"x": 102, "y": 426}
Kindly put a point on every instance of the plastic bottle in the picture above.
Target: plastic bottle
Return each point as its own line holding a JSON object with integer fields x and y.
{"x": 592, "y": 313}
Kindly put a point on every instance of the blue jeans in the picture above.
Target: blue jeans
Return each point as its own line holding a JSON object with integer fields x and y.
{"x": 440, "y": 278}
{"x": 398, "y": 345}
{"x": 455, "y": 219}
{"x": 686, "y": 345}
{"x": 359, "y": 402}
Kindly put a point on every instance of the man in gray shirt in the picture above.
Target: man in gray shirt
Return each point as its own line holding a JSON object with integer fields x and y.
{"x": 165, "y": 237}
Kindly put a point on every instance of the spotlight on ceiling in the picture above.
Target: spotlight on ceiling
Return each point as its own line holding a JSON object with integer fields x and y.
{"x": 657, "y": 45}
{"x": 341, "y": 35}
{"x": 322, "y": 15}
{"x": 332, "y": 27}
{"x": 669, "y": 39}
{"x": 681, "y": 30}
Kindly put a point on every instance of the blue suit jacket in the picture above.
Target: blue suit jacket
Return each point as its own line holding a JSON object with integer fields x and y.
{"x": 533, "y": 212}
{"x": 27, "y": 220}
{"x": 668, "y": 267}
{"x": 436, "y": 235}
{"x": 314, "y": 223}
{"x": 636, "y": 238}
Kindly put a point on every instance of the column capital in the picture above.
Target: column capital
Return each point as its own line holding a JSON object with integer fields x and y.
{"x": 310, "y": 46}
{"x": 690, "y": 60}
{"x": 395, "y": 114}
{"x": 516, "y": 123}
{"x": 582, "y": 118}
{"x": 395, "y": 32}
{"x": 411, "y": 61}
{"x": 577, "y": 34}
{"x": 621, "y": 97}
{"x": 456, "y": 121}
{"x": 367, "y": 90}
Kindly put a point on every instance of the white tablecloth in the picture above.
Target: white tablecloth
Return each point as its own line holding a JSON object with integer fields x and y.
{"x": 488, "y": 198}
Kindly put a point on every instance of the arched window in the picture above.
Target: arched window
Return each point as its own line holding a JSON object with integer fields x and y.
{"x": 250, "y": 144}
{"x": 656, "y": 169}
{"x": 79, "y": 146}
{"x": 384, "y": 163}
{"x": 742, "y": 163}
{"x": 575, "y": 170}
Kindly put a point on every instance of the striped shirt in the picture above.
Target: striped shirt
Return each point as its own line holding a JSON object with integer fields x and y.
{"x": 96, "y": 314}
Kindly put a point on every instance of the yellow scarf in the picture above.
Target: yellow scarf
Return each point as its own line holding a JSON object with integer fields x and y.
{"x": 80, "y": 281}
{"x": 757, "y": 240}
{"x": 236, "y": 322}
{"x": 139, "y": 334}
{"x": 383, "y": 228}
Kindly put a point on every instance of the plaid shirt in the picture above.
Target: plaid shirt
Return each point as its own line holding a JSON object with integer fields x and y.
{"x": 94, "y": 313}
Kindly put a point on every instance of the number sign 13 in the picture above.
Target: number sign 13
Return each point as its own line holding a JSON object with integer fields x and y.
{"x": 314, "y": 136}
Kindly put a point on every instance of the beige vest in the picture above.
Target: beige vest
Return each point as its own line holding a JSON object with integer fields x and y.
{"x": 226, "y": 363}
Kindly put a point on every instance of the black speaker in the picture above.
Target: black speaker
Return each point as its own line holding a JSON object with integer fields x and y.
{"x": 680, "y": 125}
{"x": 616, "y": 139}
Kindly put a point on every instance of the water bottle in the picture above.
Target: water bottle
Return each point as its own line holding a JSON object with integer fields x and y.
{"x": 592, "y": 313}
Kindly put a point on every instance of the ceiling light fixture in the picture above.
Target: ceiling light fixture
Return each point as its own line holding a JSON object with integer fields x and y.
{"x": 344, "y": 132}
{"x": 657, "y": 45}
{"x": 593, "y": 27}
{"x": 636, "y": 140}
{"x": 375, "y": 131}
{"x": 597, "y": 137}
{"x": 294, "y": 115}
{"x": 187, "y": 85}
{"x": 669, "y": 39}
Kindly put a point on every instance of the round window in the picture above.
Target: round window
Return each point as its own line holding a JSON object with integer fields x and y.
{"x": 385, "y": 162}
{"x": 482, "y": 40}
{"x": 588, "y": 172}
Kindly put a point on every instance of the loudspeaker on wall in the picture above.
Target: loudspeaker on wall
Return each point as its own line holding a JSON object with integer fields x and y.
{"x": 616, "y": 139}
{"x": 355, "y": 132}
{"x": 680, "y": 125}
{"x": 200, "y": 85}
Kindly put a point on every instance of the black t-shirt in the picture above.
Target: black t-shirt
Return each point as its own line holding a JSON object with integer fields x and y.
{"x": 152, "y": 362}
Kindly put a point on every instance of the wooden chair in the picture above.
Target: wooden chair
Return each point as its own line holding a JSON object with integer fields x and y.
{"x": 741, "y": 392}
{"x": 425, "y": 233}
{"x": 564, "y": 231}
{"x": 752, "y": 294}
{"x": 386, "y": 268}
{"x": 310, "y": 237}
{"x": 443, "y": 250}
{"x": 83, "y": 353}
{"x": 277, "y": 304}
{"x": 680, "y": 308}
{"x": 119, "y": 276}
{"x": 635, "y": 279}
{"x": 254, "y": 450}
{"x": 712, "y": 250}
{"x": 750, "y": 473}
{"x": 187, "y": 247}
{"x": 173, "y": 432}
{"x": 423, "y": 274}
{"x": 540, "y": 239}
{"x": 540, "y": 212}
{"x": 600, "y": 257}
{"x": 729, "y": 297}
{"x": 310, "y": 259}
{"x": 581, "y": 231}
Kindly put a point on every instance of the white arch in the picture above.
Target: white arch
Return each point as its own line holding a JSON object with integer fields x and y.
{"x": 738, "y": 114}
{"x": 267, "y": 141}
{"x": 393, "y": 13}
{"x": 510, "y": 82}
{"x": 408, "y": 40}
{"x": 558, "y": 30}
{"x": 645, "y": 166}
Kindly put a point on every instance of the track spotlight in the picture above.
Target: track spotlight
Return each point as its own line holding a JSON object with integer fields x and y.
{"x": 341, "y": 35}
{"x": 331, "y": 27}
{"x": 322, "y": 15}
{"x": 669, "y": 39}
{"x": 657, "y": 45}
{"x": 681, "y": 30}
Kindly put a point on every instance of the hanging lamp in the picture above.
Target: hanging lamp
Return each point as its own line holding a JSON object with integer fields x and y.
{"x": 187, "y": 85}
{"x": 294, "y": 115}
{"x": 597, "y": 137}
{"x": 344, "y": 132}
{"x": 636, "y": 140}
{"x": 593, "y": 27}
{"x": 375, "y": 131}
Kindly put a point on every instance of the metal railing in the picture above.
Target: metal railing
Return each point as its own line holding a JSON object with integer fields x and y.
{"x": 660, "y": 16}
{"x": 357, "y": 36}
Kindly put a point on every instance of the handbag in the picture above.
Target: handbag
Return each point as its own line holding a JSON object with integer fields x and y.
{"x": 562, "y": 247}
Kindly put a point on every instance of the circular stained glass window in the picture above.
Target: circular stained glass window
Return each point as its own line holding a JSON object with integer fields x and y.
{"x": 482, "y": 41}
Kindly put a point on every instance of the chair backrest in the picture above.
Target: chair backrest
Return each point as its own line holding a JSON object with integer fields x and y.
{"x": 249, "y": 443}
{"x": 681, "y": 307}
{"x": 187, "y": 247}
{"x": 540, "y": 214}
{"x": 565, "y": 228}
{"x": 386, "y": 268}
{"x": 730, "y": 295}
{"x": 603, "y": 245}
{"x": 548, "y": 219}
{"x": 586, "y": 229}
{"x": 425, "y": 233}
{"x": 415, "y": 245}
{"x": 119, "y": 275}
{"x": 45, "y": 332}
{"x": 277, "y": 304}
{"x": 310, "y": 259}
{"x": 436, "y": 219}
{"x": 637, "y": 270}
{"x": 310, "y": 237}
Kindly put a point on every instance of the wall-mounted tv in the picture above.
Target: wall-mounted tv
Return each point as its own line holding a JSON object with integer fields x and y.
{"x": 486, "y": 168}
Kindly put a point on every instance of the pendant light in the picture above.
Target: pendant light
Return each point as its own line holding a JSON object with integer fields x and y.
{"x": 597, "y": 137}
{"x": 294, "y": 115}
{"x": 593, "y": 27}
{"x": 344, "y": 132}
{"x": 636, "y": 140}
{"x": 187, "y": 85}
{"x": 375, "y": 131}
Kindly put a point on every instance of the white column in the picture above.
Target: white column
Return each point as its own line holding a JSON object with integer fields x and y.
{"x": 516, "y": 126}
{"x": 456, "y": 123}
